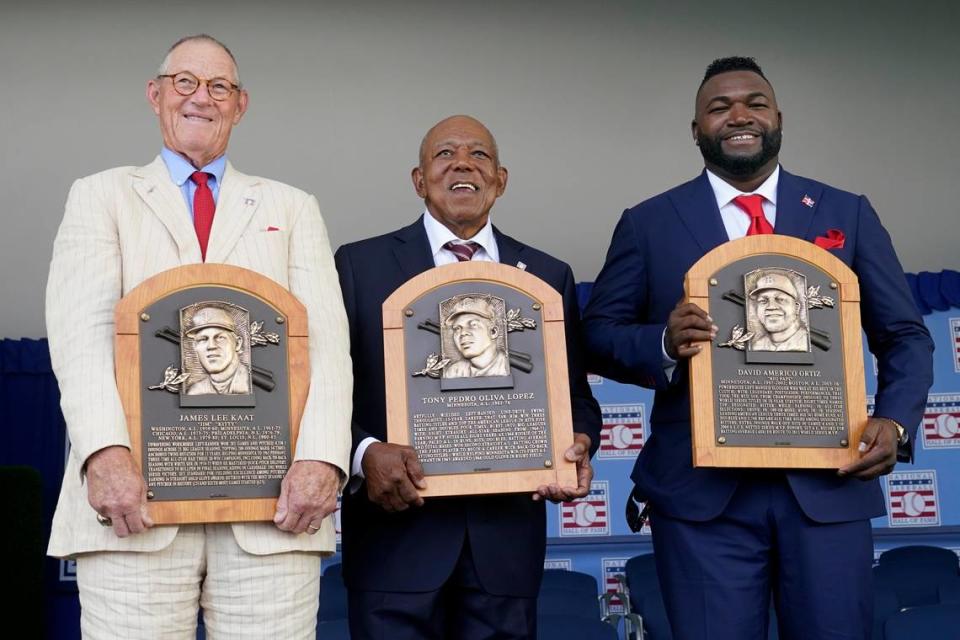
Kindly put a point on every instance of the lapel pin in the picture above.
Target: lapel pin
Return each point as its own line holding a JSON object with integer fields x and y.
{"x": 521, "y": 266}
{"x": 808, "y": 201}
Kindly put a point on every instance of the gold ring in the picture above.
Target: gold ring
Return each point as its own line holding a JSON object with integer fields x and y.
{"x": 104, "y": 520}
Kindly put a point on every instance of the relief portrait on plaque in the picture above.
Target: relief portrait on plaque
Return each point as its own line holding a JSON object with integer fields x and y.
{"x": 777, "y": 314}
{"x": 474, "y": 326}
{"x": 214, "y": 349}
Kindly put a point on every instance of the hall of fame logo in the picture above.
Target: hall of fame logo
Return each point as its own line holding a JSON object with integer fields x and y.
{"x": 941, "y": 421}
{"x": 563, "y": 564}
{"x": 955, "y": 342}
{"x": 589, "y": 515}
{"x": 68, "y": 570}
{"x": 912, "y": 499}
{"x": 622, "y": 435}
{"x": 614, "y": 569}
{"x": 594, "y": 379}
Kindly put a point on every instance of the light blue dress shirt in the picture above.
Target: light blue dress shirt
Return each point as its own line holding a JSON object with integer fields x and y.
{"x": 180, "y": 171}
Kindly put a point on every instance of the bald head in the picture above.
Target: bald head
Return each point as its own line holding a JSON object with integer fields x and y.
{"x": 458, "y": 123}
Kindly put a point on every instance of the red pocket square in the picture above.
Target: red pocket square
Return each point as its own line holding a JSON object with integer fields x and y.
{"x": 833, "y": 240}
{"x": 272, "y": 228}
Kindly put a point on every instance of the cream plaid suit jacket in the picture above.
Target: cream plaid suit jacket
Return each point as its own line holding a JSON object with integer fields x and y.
{"x": 124, "y": 225}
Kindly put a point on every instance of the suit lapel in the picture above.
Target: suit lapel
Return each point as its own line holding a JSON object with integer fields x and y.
{"x": 508, "y": 248}
{"x": 154, "y": 186}
{"x": 413, "y": 249}
{"x": 696, "y": 205}
{"x": 238, "y": 200}
{"x": 797, "y": 202}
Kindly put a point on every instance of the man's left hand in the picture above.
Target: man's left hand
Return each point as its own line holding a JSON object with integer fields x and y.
{"x": 878, "y": 451}
{"x": 579, "y": 453}
{"x": 308, "y": 494}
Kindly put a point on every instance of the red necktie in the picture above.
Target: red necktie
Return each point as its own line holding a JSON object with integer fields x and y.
{"x": 753, "y": 206}
{"x": 203, "y": 208}
{"x": 463, "y": 250}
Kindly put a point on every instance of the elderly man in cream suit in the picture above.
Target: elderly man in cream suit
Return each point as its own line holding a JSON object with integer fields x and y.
{"x": 137, "y": 580}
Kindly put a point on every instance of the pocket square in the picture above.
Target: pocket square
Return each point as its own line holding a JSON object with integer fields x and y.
{"x": 272, "y": 228}
{"x": 833, "y": 240}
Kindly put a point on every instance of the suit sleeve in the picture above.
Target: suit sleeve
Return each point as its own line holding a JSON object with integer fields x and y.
{"x": 325, "y": 427}
{"x": 83, "y": 288}
{"x": 347, "y": 285}
{"x": 622, "y": 342}
{"x": 586, "y": 410}
{"x": 895, "y": 331}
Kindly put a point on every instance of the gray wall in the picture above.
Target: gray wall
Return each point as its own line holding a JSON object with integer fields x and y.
{"x": 590, "y": 103}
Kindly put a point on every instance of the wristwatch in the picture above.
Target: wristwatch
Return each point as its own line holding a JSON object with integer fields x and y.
{"x": 902, "y": 435}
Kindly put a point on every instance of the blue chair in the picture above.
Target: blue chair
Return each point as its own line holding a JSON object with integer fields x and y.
{"x": 653, "y": 613}
{"x": 949, "y": 591}
{"x": 913, "y": 573}
{"x": 933, "y": 622}
{"x": 333, "y": 570}
{"x": 641, "y": 577}
{"x": 567, "y": 602}
{"x": 570, "y": 627}
{"x": 571, "y": 581}
{"x": 885, "y": 605}
{"x": 333, "y": 630}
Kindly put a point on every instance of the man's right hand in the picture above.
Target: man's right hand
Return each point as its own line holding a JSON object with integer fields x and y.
{"x": 687, "y": 325}
{"x": 393, "y": 475}
{"x": 116, "y": 490}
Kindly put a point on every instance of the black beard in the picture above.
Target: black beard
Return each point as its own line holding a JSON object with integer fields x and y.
{"x": 741, "y": 166}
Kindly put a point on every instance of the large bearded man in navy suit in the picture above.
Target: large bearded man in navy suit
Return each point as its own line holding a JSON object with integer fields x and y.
{"x": 726, "y": 539}
{"x": 456, "y": 567}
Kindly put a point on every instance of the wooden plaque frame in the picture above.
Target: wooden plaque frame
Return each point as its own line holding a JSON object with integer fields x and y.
{"x": 127, "y": 317}
{"x": 707, "y": 452}
{"x": 555, "y": 360}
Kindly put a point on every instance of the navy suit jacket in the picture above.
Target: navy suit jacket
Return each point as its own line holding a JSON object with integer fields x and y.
{"x": 654, "y": 245}
{"x": 417, "y": 549}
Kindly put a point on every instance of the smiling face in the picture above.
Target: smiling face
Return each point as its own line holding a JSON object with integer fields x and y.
{"x": 217, "y": 348}
{"x": 197, "y": 126}
{"x": 778, "y": 311}
{"x": 474, "y": 335}
{"x": 737, "y": 126}
{"x": 459, "y": 176}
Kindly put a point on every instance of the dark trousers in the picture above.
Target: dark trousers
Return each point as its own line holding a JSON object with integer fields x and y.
{"x": 459, "y": 610}
{"x": 718, "y": 576}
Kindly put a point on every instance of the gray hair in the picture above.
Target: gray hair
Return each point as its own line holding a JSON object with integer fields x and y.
{"x": 200, "y": 37}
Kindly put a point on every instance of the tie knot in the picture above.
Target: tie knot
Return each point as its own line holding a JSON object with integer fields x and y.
{"x": 200, "y": 178}
{"x": 463, "y": 250}
{"x": 752, "y": 205}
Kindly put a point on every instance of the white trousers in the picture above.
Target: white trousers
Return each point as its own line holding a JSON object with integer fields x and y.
{"x": 126, "y": 595}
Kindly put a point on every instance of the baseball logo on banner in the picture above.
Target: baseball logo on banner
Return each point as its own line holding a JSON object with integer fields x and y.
{"x": 912, "y": 499}
{"x": 613, "y": 570}
{"x": 955, "y": 342}
{"x": 622, "y": 434}
{"x": 589, "y": 515}
{"x": 564, "y": 564}
{"x": 941, "y": 421}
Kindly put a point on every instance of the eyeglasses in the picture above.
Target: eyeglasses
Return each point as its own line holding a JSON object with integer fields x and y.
{"x": 186, "y": 84}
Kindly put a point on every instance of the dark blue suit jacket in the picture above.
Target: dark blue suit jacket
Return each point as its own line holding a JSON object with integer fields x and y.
{"x": 654, "y": 245}
{"x": 416, "y": 550}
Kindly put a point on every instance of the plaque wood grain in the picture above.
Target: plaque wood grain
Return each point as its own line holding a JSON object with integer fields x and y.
{"x": 127, "y": 366}
{"x": 707, "y": 452}
{"x": 558, "y": 384}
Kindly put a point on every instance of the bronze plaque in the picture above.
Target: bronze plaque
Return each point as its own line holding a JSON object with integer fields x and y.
{"x": 476, "y": 372}
{"x": 212, "y": 371}
{"x": 785, "y": 372}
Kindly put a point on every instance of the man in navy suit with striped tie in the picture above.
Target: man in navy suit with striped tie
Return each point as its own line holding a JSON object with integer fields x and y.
{"x": 461, "y": 567}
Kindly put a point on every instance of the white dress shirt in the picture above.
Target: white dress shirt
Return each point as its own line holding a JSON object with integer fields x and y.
{"x": 437, "y": 235}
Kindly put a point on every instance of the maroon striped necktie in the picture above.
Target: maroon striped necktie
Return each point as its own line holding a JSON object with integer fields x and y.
{"x": 203, "y": 209}
{"x": 463, "y": 250}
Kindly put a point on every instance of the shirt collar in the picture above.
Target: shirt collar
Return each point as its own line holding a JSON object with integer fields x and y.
{"x": 726, "y": 192}
{"x": 181, "y": 170}
{"x": 438, "y": 235}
